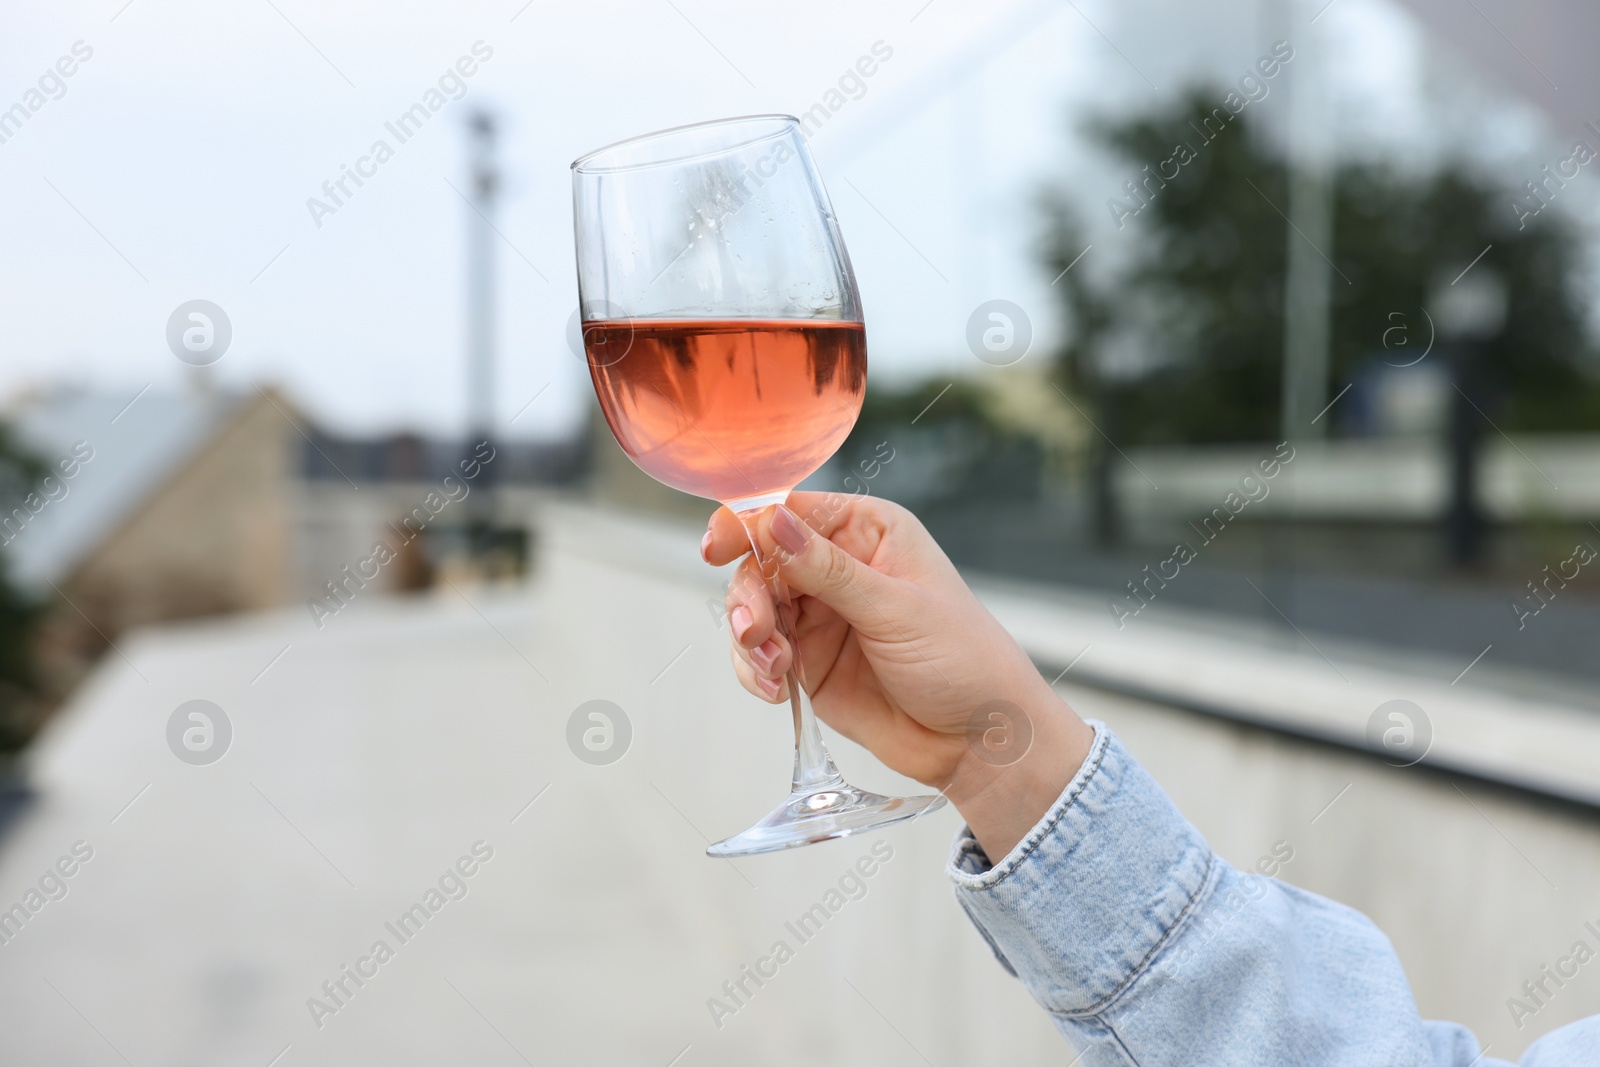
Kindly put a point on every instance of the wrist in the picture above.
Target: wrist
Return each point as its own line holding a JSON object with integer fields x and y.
{"x": 1003, "y": 795}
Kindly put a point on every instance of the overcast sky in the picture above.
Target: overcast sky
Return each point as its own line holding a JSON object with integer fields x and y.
{"x": 178, "y": 160}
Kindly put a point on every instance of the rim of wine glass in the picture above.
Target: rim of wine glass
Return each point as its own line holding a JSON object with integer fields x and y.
{"x": 586, "y": 163}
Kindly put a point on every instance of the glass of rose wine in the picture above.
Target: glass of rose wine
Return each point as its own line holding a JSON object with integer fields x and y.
{"x": 724, "y": 336}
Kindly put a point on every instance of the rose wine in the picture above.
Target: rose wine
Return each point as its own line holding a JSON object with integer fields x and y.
{"x": 728, "y": 409}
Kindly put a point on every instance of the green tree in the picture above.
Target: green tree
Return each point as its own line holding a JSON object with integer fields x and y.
{"x": 1201, "y": 299}
{"x": 20, "y": 472}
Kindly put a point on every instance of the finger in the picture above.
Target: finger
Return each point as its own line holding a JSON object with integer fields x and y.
{"x": 829, "y": 513}
{"x": 749, "y": 605}
{"x": 771, "y": 690}
{"x": 813, "y": 565}
{"x": 725, "y": 539}
{"x": 771, "y": 657}
{"x": 752, "y": 619}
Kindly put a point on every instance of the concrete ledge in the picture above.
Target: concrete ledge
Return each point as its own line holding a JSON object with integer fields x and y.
{"x": 1326, "y": 691}
{"x": 1398, "y": 479}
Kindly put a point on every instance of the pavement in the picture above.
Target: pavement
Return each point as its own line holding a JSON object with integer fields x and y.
{"x": 406, "y": 775}
{"x": 369, "y": 758}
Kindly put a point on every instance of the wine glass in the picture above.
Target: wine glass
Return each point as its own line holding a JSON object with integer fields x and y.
{"x": 724, "y": 336}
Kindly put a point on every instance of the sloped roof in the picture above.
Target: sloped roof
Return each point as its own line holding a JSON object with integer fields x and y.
{"x": 138, "y": 447}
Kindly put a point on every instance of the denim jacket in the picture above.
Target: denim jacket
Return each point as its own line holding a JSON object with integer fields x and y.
{"x": 1148, "y": 949}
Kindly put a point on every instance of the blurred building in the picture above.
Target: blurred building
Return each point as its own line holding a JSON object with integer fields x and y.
{"x": 182, "y": 505}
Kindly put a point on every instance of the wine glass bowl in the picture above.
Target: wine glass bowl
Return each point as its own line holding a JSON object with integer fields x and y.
{"x": 724, "y": 337}
{"x": 731, "y": 410}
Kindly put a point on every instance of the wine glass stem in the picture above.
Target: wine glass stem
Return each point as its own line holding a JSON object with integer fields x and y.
{"x": 813, "y": 767}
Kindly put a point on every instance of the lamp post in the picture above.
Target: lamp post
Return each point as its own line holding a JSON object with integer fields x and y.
{"x": 1469, "y": 313}
{"x": 480, "y": 329}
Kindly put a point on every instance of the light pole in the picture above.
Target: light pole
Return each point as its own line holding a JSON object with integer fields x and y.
{"x": 1470, "y": 313}
{"x": 480, "y": 329}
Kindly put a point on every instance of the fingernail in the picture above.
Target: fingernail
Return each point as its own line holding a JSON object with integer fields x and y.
{"x": 788, "y": 531}
{"x": 765, "y": 654}
{"x": 740, "y": 620}
{"x": 705, "y": 547}
{"x": 769, "y": 686}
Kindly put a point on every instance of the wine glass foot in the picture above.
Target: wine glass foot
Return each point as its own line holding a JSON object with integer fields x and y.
{"x": 837, "y": 809}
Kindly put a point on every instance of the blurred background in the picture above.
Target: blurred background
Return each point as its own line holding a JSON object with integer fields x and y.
{"x": 1244, "y": 355}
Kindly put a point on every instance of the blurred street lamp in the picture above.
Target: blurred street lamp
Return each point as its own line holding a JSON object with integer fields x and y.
{"x": 480, "y": 326}
{"x": 1105, "y": 513}
{"x": 1469, "y": 313}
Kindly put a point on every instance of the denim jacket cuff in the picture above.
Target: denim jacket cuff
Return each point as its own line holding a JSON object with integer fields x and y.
{"x": 1081, "y": 906}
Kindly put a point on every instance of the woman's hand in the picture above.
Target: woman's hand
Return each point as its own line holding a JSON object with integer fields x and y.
{"x": 899, "y": 656}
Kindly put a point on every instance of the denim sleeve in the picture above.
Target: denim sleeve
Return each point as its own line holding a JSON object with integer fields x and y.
{"x": 1148, "y": 949}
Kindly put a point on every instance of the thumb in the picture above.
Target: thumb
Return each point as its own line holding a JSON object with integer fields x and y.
{"x": 811, "y": 564}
